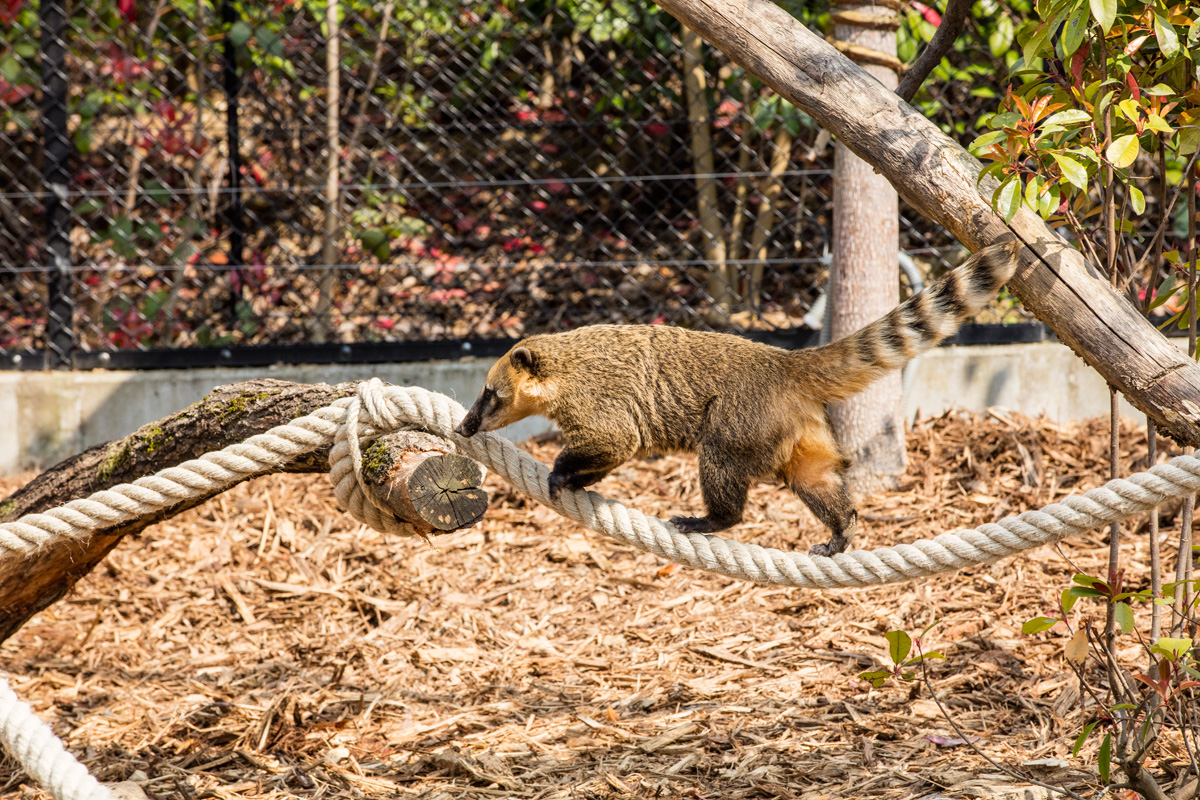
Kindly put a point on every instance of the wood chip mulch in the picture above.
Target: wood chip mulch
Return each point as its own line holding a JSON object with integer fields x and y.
{"x": 266, "y": 646}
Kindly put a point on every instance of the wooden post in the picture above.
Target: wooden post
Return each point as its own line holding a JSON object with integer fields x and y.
{"x": 864, "y": 281}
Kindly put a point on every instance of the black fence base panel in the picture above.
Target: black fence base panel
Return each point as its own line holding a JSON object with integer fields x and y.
{"x": 406, "y": 352}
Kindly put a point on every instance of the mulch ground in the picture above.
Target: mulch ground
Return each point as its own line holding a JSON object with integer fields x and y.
{"x": 265, "y": 645}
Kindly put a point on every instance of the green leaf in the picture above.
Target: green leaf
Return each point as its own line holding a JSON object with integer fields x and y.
{"x": 1137, "y": 200}
{"x": 1069, "y": 117}
{"x": 993, "y": 170}
{"x": 1105, "y": 757}
{"x": 925, "y": 657}
{"x": 89, "y": 205}
{"x": 1048, "y": 204}
{"x": 1004, "y": 119}
{"x": 1156, "y": 123}
{"x": 877, "y": 677}
{"x": 1123, "y": 151}
{"x": 987, "y": 140}
{"x": 1068, "y": 601}
{"x": 1072, "y": 170}
{"x": 1123, "y": 614}
{"x": 1007, "y": 199}
{"x": 1168, "y": 40}
{"x": 899, "y": 645}
{"x": 1159, "y": 90}
{"x": 1172, "y": 649}
{"x": 1074, "y": 31}
{"x": 1082, "y": 737}
{"x": 239, "y": 34}
{"x": 1033, "y": 188}
{"x": 1189, "y": 139}
{"x": 1104, "y": 12}
{"x": 1037, "y": 43}
{"x": 1085, "y": 591}
{"x": 1129, "y": 109}
{"x": 1038, "y": 624}
{"x": 1001, "y": 37}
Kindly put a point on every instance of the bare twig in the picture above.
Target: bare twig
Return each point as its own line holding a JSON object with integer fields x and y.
{"x": 931, "y": 56}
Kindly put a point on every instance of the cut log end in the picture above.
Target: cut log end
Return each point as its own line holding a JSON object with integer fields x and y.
{"x": 414, "y": 475}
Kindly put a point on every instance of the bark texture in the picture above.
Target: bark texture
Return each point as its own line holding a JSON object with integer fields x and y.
{"x": 864, "y": 282}
{"x": 937, "y": 177}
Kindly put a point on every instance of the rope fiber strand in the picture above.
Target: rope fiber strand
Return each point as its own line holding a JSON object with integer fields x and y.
{"x": 378, "y": 409}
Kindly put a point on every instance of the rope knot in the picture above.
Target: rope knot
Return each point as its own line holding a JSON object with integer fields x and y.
{"x": 369, "y": 415}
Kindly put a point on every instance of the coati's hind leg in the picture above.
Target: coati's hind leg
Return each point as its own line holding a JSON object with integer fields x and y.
{"x": 724, "y": 484}
{"x": 816, "y": 473}
{"x": 582, "y": 463}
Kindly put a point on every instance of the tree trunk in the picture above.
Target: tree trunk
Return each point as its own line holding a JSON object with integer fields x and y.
{"x": 938, "y": 178}
{"x": 720, "y": 286}
{"x": 228, "y": 414}
{"x": 864, "y": 284}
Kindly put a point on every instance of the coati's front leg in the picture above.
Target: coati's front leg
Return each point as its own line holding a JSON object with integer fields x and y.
{"x": 585, "y": 461}
{"x": 724, "y": 485}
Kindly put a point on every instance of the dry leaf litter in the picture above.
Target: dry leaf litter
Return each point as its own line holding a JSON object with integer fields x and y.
{"x": 266, "y": 646}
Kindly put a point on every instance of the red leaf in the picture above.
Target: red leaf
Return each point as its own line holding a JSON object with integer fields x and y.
{"x": 931, "y": 15}
{"x": 9, "y": 9}
{"x": 128, "y": 9}
{"x": 1077, "y": 66}
{"x": 1133, "y": 87}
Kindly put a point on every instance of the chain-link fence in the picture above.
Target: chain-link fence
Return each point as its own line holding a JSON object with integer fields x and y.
{"x": 193, "y": 174}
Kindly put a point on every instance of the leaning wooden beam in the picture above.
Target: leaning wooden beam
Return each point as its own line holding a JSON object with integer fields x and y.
{"x": 938, "y": 177}
{"x": 413, "y": 475}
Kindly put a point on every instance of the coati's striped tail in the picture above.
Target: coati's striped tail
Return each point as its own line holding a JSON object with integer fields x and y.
{"x": 914, "y": 326}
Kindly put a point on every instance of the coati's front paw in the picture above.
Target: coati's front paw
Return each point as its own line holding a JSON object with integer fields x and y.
{"x": 697, "y": 525}
{"x": 831, "y": 548}
{"x": 557, "y": 481}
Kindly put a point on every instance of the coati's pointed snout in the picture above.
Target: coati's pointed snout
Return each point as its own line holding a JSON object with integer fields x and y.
{"x": 471, "y": 422}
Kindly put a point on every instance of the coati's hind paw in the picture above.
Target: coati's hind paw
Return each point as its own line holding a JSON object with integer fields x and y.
{"x": 697, "y": 525}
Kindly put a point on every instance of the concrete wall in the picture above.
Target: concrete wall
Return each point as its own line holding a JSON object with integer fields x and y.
{"x": 47, "y": 416}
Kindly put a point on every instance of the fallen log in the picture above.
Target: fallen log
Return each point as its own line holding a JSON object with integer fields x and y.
{"x": 414, "y": 475}
{"x": 938, "y": 178}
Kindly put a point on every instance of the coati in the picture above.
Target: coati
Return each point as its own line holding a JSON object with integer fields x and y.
{"x": 750, "y": 411}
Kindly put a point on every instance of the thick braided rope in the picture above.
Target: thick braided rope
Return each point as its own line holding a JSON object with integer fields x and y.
{"x": 388, "y": 408}
{"x": 41, "y": 753}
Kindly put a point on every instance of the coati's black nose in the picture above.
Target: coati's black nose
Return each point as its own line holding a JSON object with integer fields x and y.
{"x": 468, "y": 427}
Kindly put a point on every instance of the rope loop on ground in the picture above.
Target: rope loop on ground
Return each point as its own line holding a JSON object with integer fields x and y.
{"x": 378, "y": 409}
{"x": 43, "y": 756}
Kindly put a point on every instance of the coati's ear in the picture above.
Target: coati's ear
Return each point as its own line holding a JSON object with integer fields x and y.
{"x": 522, "y": 358}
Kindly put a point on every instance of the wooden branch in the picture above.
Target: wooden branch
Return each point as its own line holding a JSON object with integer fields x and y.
{"x": 937, "y": 177}
{"x": 228, "y": 414}
{"x": 931, "y": 56}
{"x": 868, "y": 55}
{"x": 862, "y": 19}
{"x": 424, "y": 483}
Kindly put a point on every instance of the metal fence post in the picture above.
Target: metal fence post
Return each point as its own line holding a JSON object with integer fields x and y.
{"x": 234, "y": 216}
{"x": 56, "y": 142}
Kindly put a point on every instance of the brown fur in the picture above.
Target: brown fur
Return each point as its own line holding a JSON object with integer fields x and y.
{"x": 752, "y": 412}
